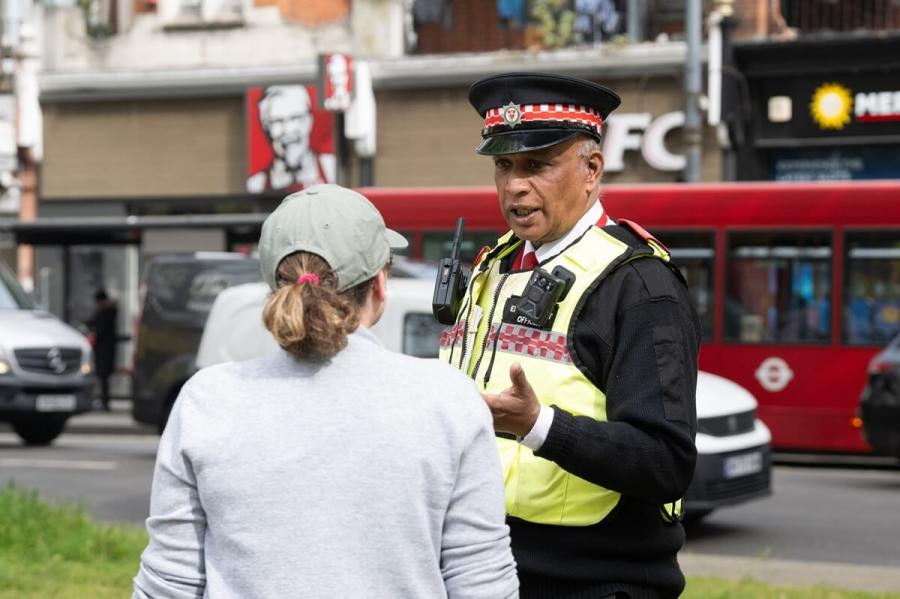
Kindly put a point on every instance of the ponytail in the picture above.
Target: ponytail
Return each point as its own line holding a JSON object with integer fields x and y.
{"x": 306, "y": 314}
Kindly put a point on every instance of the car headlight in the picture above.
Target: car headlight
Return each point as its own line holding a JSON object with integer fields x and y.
{"x": 5, "y": 367}
{"x": 87, "y": 362}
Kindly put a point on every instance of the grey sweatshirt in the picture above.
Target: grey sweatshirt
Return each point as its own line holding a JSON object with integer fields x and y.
{"x": 374, "y": 475}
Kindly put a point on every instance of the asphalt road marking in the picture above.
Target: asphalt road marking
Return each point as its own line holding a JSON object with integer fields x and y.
{"x": 58, "y": 464}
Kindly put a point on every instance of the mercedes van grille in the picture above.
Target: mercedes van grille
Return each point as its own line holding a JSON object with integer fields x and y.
{"x": 49, "y": 360}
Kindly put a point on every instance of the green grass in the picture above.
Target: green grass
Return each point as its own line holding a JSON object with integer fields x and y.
{"x": 57, "y": 552}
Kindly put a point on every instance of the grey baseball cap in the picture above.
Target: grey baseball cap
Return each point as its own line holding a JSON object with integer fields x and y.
{"x": 333, "y": 222}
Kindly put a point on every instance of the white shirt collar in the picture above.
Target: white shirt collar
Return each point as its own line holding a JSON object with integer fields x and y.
{"x": 587, "y": 220}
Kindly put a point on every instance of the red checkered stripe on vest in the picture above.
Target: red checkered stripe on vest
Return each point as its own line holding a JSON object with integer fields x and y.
{"x": 581, "y": 115}
{"x": 516, "y": 339}
{"x": 452, "y": 335}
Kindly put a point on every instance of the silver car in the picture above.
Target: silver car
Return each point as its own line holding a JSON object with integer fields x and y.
{"x": 46, "y": 367}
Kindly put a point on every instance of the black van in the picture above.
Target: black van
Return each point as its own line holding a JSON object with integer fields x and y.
{"x": 177, "y": 292}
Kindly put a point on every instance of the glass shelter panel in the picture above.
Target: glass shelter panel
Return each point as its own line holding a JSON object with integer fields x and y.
{"x": 778, "y": 287}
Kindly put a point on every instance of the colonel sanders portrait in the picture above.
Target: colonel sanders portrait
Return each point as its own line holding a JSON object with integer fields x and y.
{"x": 286, "y": 116}
{"x": 338, "y": 72}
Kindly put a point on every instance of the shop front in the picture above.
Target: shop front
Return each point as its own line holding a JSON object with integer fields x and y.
{"x": 822, "y": 110}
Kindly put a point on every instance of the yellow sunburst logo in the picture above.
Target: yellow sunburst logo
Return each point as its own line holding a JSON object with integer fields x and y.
{"x": 831, "y": 105}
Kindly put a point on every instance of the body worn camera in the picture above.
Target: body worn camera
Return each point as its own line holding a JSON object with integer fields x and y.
{"x": 537, "y": 305}
{"x": 450, "y": 285}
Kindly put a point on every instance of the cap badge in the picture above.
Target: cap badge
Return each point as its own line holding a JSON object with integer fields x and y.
{"x": 512, "y": 114}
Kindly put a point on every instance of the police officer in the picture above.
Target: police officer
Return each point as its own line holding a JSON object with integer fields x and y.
{"x": 580, "y": 334}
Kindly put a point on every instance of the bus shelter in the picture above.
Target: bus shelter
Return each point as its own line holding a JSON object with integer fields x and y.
{"x": 75, "y": 256}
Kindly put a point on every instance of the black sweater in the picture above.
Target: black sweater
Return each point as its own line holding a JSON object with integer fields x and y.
{"x": 636, "y": 338}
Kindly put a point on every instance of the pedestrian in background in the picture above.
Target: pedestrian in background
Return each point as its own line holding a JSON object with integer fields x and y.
{"x": 102, "y": 330}
{"x": 335, "y": 468}
{"x": 581, "y": 335}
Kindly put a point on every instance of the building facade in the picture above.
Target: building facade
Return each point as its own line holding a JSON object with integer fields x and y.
{"x": 186, "y": 107}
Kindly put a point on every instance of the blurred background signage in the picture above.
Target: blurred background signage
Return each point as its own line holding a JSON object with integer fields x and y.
{"x": 640, "y": 131}
{"x": 834, "y": 164}
{"x": 336, "y": 73}
{"x": 831, "y": 107}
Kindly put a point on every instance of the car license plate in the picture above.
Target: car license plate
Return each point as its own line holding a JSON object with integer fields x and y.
{"x": 55, "y": 403}
{"x": 742, "y": 465}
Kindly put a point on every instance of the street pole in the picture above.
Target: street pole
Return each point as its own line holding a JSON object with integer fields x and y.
{"x": 693, "y": 133}
{"x": 719, "y": 57}
{"x": 636, "y": 21}
{"x": 28, "y": 134}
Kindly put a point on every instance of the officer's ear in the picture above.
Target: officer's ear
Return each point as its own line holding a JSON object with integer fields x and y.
{"x": 594, "y": 167}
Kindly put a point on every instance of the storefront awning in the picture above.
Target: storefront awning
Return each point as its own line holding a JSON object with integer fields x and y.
{"x": 76, "y": 230}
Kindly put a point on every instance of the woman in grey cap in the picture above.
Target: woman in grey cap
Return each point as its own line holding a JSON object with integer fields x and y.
{"x": 335, "y": 468}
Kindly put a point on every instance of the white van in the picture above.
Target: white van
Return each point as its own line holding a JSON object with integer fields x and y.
{"x": 234, "y": 330}
{"x": 46, "y": 367}
{"x": 733, "y": 445}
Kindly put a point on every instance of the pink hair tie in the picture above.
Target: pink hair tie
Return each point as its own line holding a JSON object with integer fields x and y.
{"x": 308, "y": 278}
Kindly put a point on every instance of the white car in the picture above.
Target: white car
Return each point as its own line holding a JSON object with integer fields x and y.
{"x": 46, "y": 367}
{"x": 734, "y": 455}
{"x": 733, "y": 445}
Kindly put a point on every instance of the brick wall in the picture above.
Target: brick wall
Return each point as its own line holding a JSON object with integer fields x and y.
{"x": 313, "y": 12}
{"x": 473, "y": 27}
{"x": 787, "y": 18}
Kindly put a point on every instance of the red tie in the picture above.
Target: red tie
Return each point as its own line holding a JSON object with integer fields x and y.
{"x": 529, "y": 261}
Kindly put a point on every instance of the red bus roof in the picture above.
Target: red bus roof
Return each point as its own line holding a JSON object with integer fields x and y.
{"x": 859, "y": 203}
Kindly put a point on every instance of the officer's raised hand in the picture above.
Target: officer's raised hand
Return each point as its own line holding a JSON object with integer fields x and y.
{"x": 516, "y": 408}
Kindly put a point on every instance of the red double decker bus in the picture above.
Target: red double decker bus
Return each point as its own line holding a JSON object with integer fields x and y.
{"x": 797, "y": 285}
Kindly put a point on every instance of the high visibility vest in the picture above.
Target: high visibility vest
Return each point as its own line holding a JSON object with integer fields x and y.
{"x": 487, "y": 339}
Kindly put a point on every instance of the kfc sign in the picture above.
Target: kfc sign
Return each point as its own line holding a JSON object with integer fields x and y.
{"x": 336, "y": 75}
{"x": 290, "y": 141}
{"x": 639, "y": 131}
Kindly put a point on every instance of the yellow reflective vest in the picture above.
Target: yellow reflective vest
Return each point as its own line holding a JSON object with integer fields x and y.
{"x": 489, "y": 337}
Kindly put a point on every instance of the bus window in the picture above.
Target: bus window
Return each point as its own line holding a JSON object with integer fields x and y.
{"x": 438, "y": 244}
{"x": 778, "y": 287}
{"x": 693, "y": 253}
{"x": 871, "y": 287}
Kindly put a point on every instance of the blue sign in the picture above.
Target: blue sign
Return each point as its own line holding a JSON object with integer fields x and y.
{"x": 835, "y": 164}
